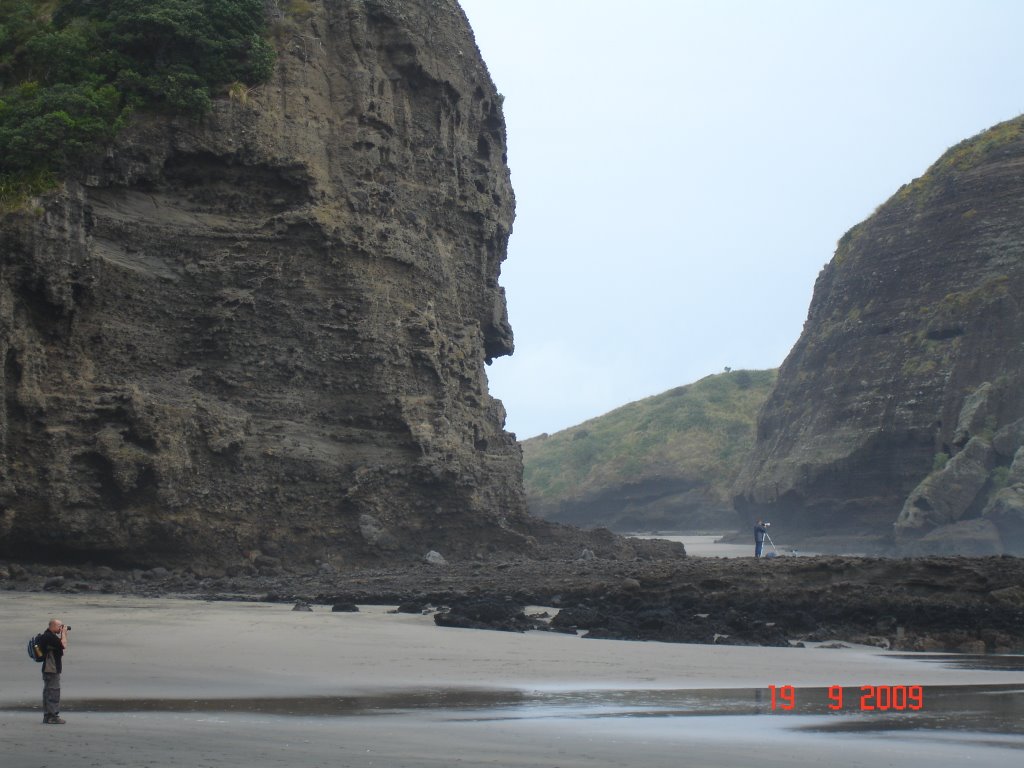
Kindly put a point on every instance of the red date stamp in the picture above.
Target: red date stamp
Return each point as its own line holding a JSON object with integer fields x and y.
{"x": 872, "y": 698}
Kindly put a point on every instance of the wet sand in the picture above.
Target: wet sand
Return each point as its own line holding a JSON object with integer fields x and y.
{"x": 703, "y": 545}
{"x": 712, "y": 545}
{"x": 175, "y": 682}
{"x": 700, "y": 545}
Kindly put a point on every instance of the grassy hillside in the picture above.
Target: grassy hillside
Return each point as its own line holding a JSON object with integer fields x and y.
{"x": 691, "y": 437}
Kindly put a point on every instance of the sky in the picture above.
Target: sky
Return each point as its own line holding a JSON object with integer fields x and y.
{"x": 684, "y": 169}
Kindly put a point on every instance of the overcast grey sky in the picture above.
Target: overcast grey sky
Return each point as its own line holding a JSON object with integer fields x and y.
{"x": 683, "y": 171}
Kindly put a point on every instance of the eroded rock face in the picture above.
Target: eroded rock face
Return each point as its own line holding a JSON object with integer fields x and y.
{"x": 266, "y": 331}
{"x": 911, "y": 349}
{"x": 947, "y": 496}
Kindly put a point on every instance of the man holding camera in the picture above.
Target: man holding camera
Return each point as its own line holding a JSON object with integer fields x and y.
{"x": 54, "y": 641}
{"x": 760, "y": 528}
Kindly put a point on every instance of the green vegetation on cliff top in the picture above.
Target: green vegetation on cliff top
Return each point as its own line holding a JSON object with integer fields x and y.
{"x": 703, "y": 431}
{"x": 71, "y": 71}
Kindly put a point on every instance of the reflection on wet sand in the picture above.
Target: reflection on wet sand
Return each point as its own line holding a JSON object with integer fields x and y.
{"x": 990, "y": 661}
{"x": 980, "y": 708}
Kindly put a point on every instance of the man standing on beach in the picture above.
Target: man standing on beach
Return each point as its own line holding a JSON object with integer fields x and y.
{"x": 54, "y": 641}
{"x": 759, "y": 532}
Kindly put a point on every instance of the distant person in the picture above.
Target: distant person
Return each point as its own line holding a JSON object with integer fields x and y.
{"x": 760, "y": 529}
{"x": 54, "y": 641}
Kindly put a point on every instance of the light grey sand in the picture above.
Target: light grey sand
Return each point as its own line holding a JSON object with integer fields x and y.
{"x": 705, "y": 545}
{"x": 708, "y": 545}
{"x": 412, "y": 694}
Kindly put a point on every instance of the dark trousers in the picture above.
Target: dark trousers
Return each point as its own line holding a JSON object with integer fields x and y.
{"x": 51, "y": 693}
{"x": 758, "y": 546}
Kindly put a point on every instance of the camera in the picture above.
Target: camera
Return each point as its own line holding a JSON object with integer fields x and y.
{"x": 67, "y": 627}
{"x": 766, "y": 525}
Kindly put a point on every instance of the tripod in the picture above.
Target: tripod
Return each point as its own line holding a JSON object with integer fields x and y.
{"x": 771, "y": 542}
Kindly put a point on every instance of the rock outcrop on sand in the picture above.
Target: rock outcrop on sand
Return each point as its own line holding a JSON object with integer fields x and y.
{"x": 899, "y": 414}
{"x": 263, "y": 334}
{"x": 972, "y": 605}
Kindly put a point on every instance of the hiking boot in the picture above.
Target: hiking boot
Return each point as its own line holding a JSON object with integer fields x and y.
{"x": 54, "y": 720}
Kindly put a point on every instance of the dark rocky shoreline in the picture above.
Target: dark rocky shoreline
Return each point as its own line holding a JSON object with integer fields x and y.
{"x": 968, "y": 605}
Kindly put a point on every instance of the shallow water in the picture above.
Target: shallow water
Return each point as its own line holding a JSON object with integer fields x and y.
{"x": 703, "y": 545}
{"x": 996, "y": 709}
{"x": 994, "y": 662}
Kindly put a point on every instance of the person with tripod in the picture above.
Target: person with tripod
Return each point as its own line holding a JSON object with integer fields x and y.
{"x": 760, "y": 529}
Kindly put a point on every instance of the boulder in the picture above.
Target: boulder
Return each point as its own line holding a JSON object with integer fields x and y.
{"x": 1013, "y": 596}
{"x": 946, "y": 495}
{"x": 1008, "y": 440}
{"x": 487, "y": 613}
{"x": 971, "y": 538}
{"x": 434, "y": 558}
{"x": 1006, "y": 512}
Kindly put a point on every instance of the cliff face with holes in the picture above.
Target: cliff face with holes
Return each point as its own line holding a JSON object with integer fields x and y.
{"x": 898, "y": 417}
{"x": 265, "y": 333}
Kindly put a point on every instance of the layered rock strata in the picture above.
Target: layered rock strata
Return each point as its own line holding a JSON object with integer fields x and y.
{"x": 911, "y": 357}
{"x": 265, "y": 332}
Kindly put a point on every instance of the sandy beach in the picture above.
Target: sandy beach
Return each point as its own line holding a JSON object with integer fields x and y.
{"x": 703, "y": 545}
{"x": 178, "y": 682}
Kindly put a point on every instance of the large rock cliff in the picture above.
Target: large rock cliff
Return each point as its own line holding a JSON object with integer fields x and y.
{"x": 898, "y": 411}
{"x": 265, "y": 332}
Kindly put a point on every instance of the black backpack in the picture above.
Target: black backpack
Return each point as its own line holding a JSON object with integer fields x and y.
{"x": 35, "y": 650}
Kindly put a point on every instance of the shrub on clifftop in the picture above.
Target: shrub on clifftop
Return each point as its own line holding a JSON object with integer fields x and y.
{"x": 71, "y": 72}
